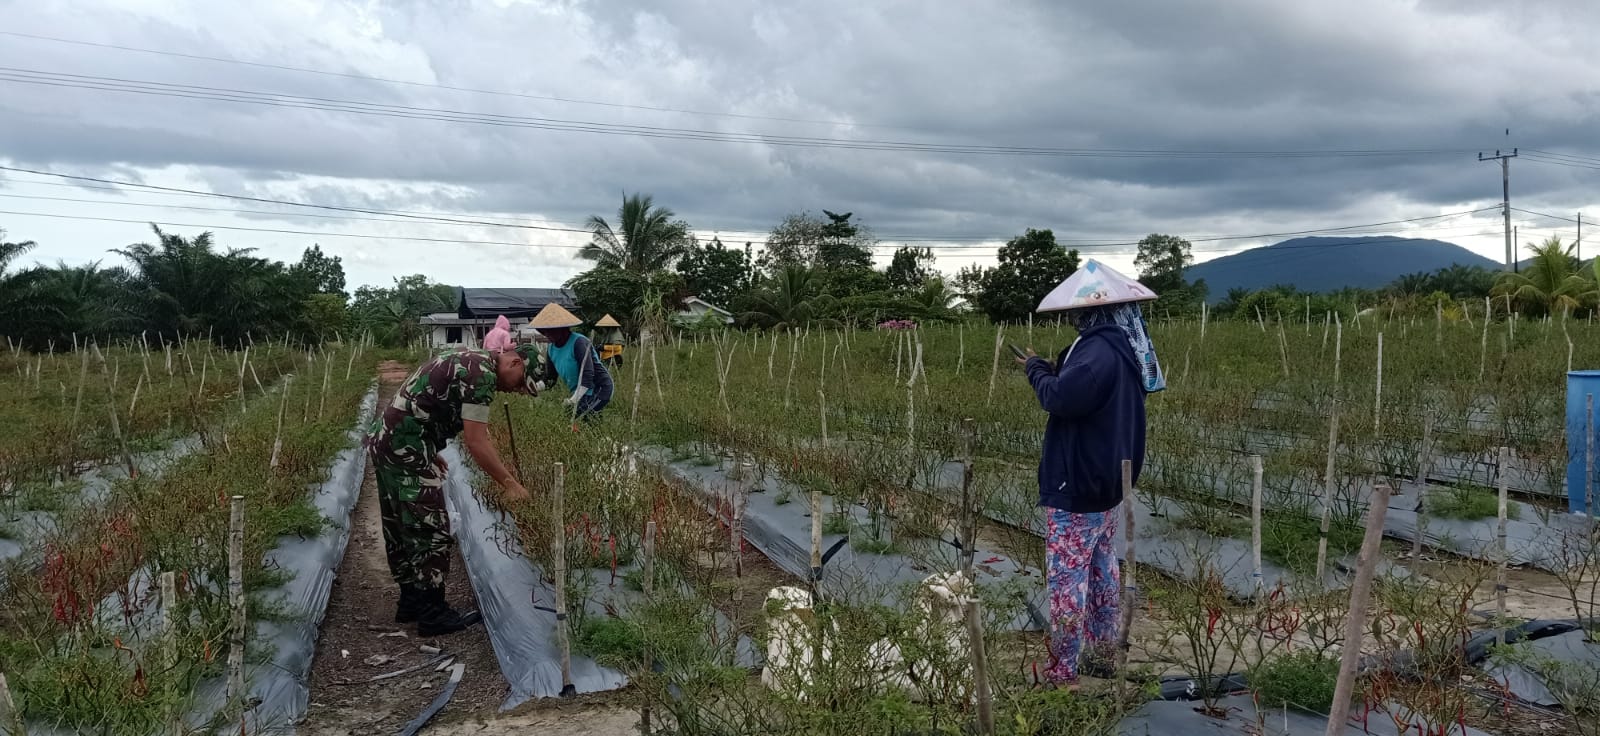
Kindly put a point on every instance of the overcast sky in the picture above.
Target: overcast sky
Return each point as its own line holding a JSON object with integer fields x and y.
{"x": 1443, "y": 76}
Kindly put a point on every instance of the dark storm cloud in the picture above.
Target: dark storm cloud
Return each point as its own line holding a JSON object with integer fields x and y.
{"x": 1245, "y": 75}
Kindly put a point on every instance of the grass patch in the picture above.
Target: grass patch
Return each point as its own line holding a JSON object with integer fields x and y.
{"x": 1290, "y": 540}
{"x": 837, "y": 522}
{"x": 784, "y": 496}
{"x": 613, "y": 642}
{"x": 1303, "y": 680}
{"x": 863, "y": 540}
{"x": 1468, "y": 503}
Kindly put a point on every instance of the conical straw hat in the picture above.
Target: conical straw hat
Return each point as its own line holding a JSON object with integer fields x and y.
{"x": 1095, "y": 284}
{"x": 608, "y": 321}
{"x": 554, "y": 315}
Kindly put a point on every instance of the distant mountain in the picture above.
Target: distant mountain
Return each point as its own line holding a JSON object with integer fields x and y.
{"x": 1328, "y": 264}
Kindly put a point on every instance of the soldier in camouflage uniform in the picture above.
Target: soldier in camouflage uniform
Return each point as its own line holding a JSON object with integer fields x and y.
{"x": 448, "y": 395}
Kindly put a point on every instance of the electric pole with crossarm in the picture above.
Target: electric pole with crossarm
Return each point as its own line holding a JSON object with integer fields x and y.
{"x": 1505, "y": 198}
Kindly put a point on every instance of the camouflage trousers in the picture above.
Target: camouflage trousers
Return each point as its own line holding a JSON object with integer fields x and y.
{"x": 416, "y": 529}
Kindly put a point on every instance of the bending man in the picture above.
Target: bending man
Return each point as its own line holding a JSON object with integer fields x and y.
{"x": 448, "y": 395}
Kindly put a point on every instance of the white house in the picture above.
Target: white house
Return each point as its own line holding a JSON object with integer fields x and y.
{"x": 694, "y": 309}
{"x": 476, "y": 310}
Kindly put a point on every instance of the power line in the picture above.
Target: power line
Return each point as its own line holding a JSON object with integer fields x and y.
{"x": 287, "y": 232}
{"x": 489, "y": 223}
{"x": 272, "y": 99}
{"x": 1571, "y": 156}
{"x": 1557, "y": 162}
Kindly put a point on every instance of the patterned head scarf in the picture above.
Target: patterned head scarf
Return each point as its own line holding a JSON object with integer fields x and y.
{"x": 1130, "y": 319}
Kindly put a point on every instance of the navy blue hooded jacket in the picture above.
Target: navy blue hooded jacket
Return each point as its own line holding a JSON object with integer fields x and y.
{"x": 1095, "y": 399}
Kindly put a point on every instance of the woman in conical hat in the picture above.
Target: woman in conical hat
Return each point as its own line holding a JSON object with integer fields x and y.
{"x": 572, "y": 357}
{"x": 1094, "y": 394}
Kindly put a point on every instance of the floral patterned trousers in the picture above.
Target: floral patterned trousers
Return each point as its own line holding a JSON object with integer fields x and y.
{"x": 1080, "y": 552}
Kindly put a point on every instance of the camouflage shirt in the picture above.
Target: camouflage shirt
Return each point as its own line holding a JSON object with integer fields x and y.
{"x": 431, "y": 406}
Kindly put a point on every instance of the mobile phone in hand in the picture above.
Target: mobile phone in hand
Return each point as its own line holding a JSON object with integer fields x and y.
{"x": 1017, "y": 352}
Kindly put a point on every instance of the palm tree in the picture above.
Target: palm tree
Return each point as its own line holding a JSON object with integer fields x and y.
{"x": 1552, "y": 282}
{"x": 89, "y": 300}
{"x": 19, "y": 293}
{"x": 187, "y": 288}
{"x": 649, "y": 239}
{"x": 789, "y": 299}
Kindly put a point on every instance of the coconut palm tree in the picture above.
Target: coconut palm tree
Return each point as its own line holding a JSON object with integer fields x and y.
{"x": 791, "y": 298}
{"x": 1552, "y": 282}
{"x": 646, "y": 238}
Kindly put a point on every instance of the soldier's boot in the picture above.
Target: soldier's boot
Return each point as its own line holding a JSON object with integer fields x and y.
{"x": 410, "y": 606}
{"x": 437, "y": 618}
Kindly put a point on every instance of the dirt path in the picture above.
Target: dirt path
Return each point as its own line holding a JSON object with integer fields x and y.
{"x": 359, "y": 628}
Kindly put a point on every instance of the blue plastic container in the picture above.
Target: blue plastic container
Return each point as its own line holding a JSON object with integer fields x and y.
{"x": 1581, "y": 385}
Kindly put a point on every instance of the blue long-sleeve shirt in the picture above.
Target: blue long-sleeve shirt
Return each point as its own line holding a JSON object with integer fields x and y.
{"x": 1095, "y": 401}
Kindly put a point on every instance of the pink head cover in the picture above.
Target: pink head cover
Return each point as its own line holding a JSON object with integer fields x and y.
{"x": 499, "y": 339}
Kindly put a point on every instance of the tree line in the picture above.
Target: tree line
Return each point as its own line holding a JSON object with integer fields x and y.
{"x": 175, "y": 287}
{"x": 1552, "y": 282}
{"x": 814, "y": 269}
{"x": 819, "y": 269}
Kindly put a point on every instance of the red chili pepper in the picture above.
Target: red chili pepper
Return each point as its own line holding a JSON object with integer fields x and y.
{"x": 1213, "y": 615}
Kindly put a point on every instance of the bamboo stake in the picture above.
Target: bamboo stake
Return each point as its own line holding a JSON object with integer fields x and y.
{"x": 558, "y": 553}
{"x": 1424, "y": 467}
{"x": 1130, "y": 584}
{"x": 116, "y": 431}
{"x": 1377, "y": 400}
{"x": 1283, "y": 347}
{"x": 277, "y": 437}
{"x": 899, "y": 341}
{"x": 1338, "y": 347}
{"x": 655, "y": 370}
{"x": 327, "y": 372}
{"x": 1500, "y": 542}
{"x": 236, "y": 602}
{"x": 242, "y": 365}
{"x": 649, "y": 587}
{"x": 1203, "y": 313}
{"x": 961, "y": 351}
{"x": 9, "y": 715}
{"x": 771, "y": 355}
{"x": 816, "y": 505}
{"x": 348, "y": 366}
{"x": 794, "y": 352}
{"x": 1327, "y": 490}
{"x": 1355, "y": 624}
{"x": 1255, "y": 524}
{"x": 980, "y": 661}
{"x": 132, "y": 405}
{"x": 994, "y": 368}
{"x": 1483, "y": 355}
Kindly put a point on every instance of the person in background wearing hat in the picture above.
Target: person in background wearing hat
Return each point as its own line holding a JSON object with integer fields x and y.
{"x": 1094, "y": 394}
{"x": 448, "y": 395}
{"x": 572, "y": 357}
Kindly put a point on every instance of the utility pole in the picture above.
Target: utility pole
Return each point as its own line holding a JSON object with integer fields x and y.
{"x": 1580, "y": 237}
{"x": 1505, "y": 198}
